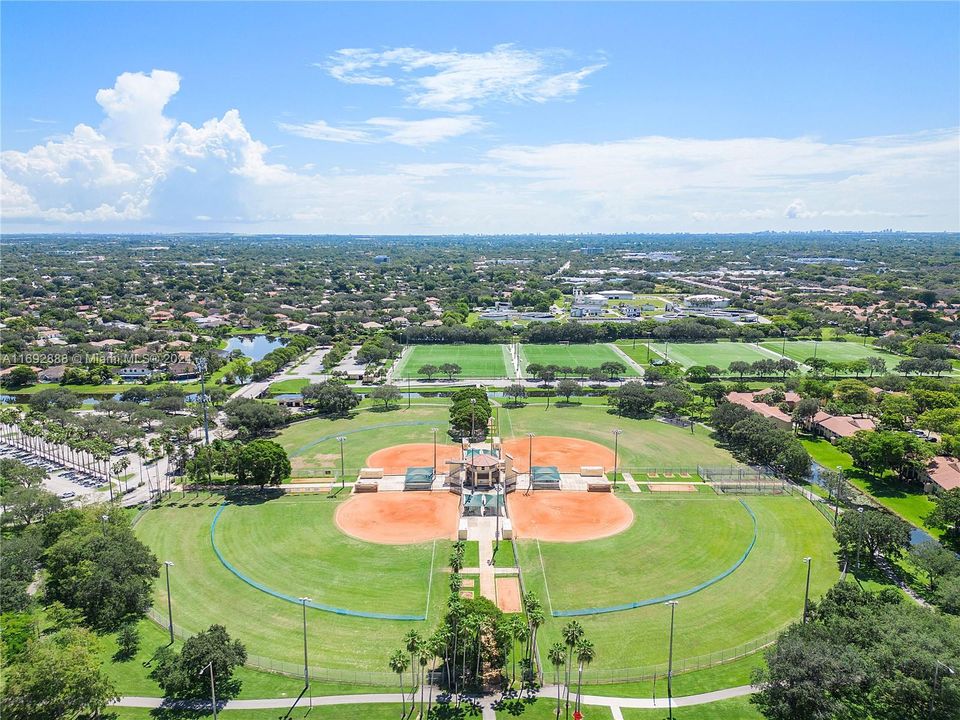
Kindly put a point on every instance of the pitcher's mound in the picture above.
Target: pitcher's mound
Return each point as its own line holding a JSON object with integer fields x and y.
{"x": 400, "y": 518}
{"x": 568, "y": 516}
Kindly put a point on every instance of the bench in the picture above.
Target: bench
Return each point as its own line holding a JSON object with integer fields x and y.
{"x": 599, "y": 486}
{"x": 369, "y": 473}
{"x": 591, "y": 471}
{"x": 365, "y": 486}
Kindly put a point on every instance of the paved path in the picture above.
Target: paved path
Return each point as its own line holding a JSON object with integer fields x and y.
{"x": 627, "y": 359}
{"x": 631, "y": 483}
{"x": 546, "y": 692}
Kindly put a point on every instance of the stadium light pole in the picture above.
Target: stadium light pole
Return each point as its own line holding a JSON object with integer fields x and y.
{"x": 408, "y": 392}
{"x": 673, "y": 608}
{"x": 859, "y": 534}
{"x": 806, "y": 593}
{"x": 167, "y": 564}
{"x": 213, "y": 691}
{"x": 936, "y": 677}
{"x": 343, "y": 477}
{"x": 306, "y": 667}
{"x": 434, "y": 431}
{"x": 616, "y": 457}
{"x": 530, "y": 461}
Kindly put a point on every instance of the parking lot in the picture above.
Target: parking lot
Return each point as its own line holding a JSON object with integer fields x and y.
{"x": 68, "y": 484}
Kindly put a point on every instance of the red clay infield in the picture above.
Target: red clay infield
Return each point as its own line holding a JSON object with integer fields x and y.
{"x": 559, "y": 516}
{"x": 400, "y": 518}
{"x": 566, "y": 454}
{"x": 396, "y": 459}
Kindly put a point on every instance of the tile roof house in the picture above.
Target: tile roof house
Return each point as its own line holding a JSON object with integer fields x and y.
{"x": 771, "y": 412}
{"x": 944, "y": 473}
{"x": 840, "y": 426}
{"x": 52, "y": 374}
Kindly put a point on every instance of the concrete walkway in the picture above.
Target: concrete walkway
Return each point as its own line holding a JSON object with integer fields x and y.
{"x": 629, "y": 361}
{"x": 546, "y": 692}
{"x": 631, "y": 483}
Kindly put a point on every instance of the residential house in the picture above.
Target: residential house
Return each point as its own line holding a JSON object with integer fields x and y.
{"x": 833, "y": 427}
{"x": 750, "y": 401}
{"x": 943, "y": 473}
{"x": 133, "y": 373}
{"x": 52, "y": 374}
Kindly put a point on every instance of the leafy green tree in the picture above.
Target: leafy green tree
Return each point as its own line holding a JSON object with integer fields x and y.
{"x": 853, "y": 395}
{"x": 946, "y": 515}
{"x": 13, "y": 472}
{"x": 450, "y": 370}
{"x": 632, "y": 399}
{"x": 515, "y": 391}
{"x": 330, "y": 397}
{"x": 178, "y": 674}
{"x": 386, "y": 394}
{"x": 252, "y": 417}
{"x": 428, "y": 370}
{"x": 613, "y": 369}
{"x": 19, "y": 377}
{"x": 873, "y": 532}
{"x": 935, "y": 561}
{"x": 55, "y": 398}
{"x": 103, "y": 570}
{"x": 568, "y": 388}
{"x": 262, "y": 462}
{"x": 26, "y": 505}
{"x": 804, "y": 411}
{"x": 128, "y": 641}
{"x": 58, "y": 676}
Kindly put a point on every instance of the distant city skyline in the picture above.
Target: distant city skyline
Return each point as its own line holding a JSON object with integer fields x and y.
{"x": 436, "y": 118}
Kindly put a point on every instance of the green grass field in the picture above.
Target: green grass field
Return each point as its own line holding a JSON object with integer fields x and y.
{"x": 320, "y": 562}
{"x": 643, "y": 444}
{"x": 475, "y": 361}
{"x": 545, "y": 709}
{"x": 204, "y": 592}
{"x": 664, "y": 529}
{"x": 800, "y": 350}
{"x": 709, "y": 622}
{"x": 366, "y": 711}
{"x": 720, "y": 354}
{"x": 572, "y": 356}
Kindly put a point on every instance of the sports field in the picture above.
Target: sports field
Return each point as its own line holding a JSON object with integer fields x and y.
{"x": 316, "y": 559}
{"x": 590, "y": 355}
{"x": 720, "y": 354}
{"x": 673, "y": 541}
{"x": 800, "y": 350}
{"x": 475, "y": 361}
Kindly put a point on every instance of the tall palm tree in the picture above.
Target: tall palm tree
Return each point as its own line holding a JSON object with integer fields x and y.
{"x": 437, "y": 645}
{"x": 518, "y": 631}
{"x": 456, "y": 613}
{"x": 572, "y": 632}
{"x": 399, "y": 663}
{"x": 558, "y": 658}
{"x": 535, "y": 618}
{"x": 423, "y": 659}
{"x": 470, "y": 624}
{"x": 585, "y": 655}
{"x": 412, "y": 642}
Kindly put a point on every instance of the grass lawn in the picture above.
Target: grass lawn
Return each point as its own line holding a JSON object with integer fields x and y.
{"x": 545, "y": 709}
{"x": 800, "y": 350}
{"x": 666, "y": 550}
{"x": 643, "y": 444}
{"x": 717, "y": 677}
{"x": 763, "y": 595}
{"x": 315, "y": 452}
{"x": 476, "y": 361}
{"x": 293, "y": 385}
{"x": 320, "y": 562}
{"x": 720, "y": 354}
{"x": 204, "y": 592}
{"x": 591, "y": 355}
{"x": 907, "y": 501}
{"x": 367, "y": 711}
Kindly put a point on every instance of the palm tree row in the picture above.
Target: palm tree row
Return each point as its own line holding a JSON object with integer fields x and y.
{"x": 574, "y": 651}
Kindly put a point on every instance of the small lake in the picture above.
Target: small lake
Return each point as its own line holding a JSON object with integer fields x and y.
{"x": 254, "y": 347}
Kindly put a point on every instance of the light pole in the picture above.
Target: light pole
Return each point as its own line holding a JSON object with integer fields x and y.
{"x": 530, "y": 461}
{"x": 806, "y": 593}
{"x": 343, "y": 476}
{"x": 859, "y": 534}
{"x": 836, "y": 496}
{"x": 213, "y": 691}
{"x": 673, "y": 608}
{"x": 936, "y": 677}
{"x": 616, "y": 456}
{"x": 408, "y": 392}
{"x": 434, "y": 431}
{"x": 306, "y": 667}
{"x": 167, "y": 564}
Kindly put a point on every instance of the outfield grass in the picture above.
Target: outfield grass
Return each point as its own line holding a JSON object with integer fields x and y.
{"x": 545, "y": 709}
{"x": 475, "y": 361}
{"x": 643, "y": 444}
{"x": 720, "y": 354}
{"x": 764, "y": 594}
{"x": 292, "y": 545}
{"x": 591, "y": 355}
{"x": 366, "y": 711}
{"x": 315, "y": 452}
{"x": 718, "y": 677}
{"x": 801, "y": 350}
{"x": 907, "y": 501}
{"x": 204, "y": 592}
{"x": 645, "y": 555}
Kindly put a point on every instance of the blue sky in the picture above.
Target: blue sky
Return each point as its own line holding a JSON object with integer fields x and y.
{"x": 479, "y": 117}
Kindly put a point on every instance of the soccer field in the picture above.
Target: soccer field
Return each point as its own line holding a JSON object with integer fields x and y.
{"x": 676, "y": 541}
{"x": 801, "y": 350}
{"x": 572, "y": 356}
{"x": 720, "y": 354}
{"x": 475, "y": 361}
